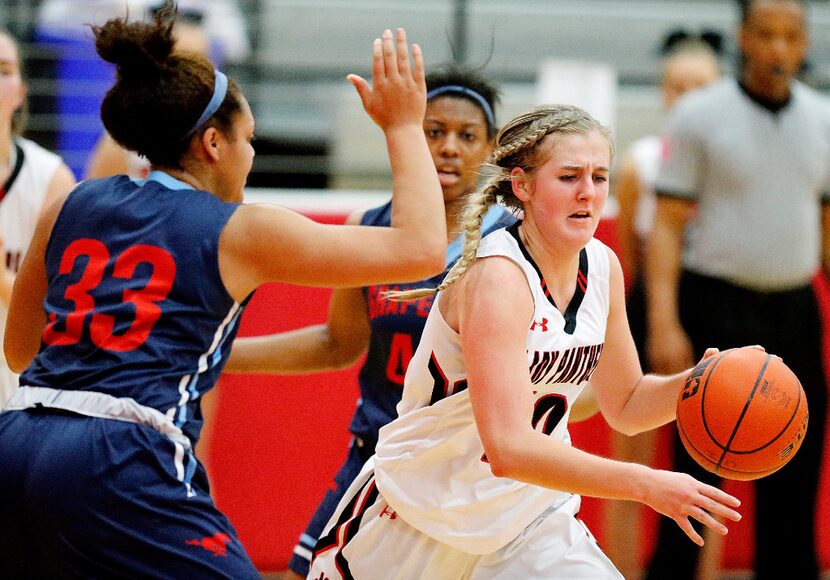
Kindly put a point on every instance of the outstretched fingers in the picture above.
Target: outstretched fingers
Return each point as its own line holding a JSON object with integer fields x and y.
{"x": 397, "y": 93}
{"x": 362, "y": 87}
{"x": 389, "y": 59}
{"x": 418, "y": 73}
{"x": 712, "y": 502}
{"x": 689, "y": 529}
{"x": 378, "y": 65}
{"x": 720, "y": 503}
{"x": 706, "y": 518}
{"x": 403, "y": 54}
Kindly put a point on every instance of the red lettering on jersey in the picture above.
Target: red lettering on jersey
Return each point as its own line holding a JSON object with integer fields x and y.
{"x": 403, "y": 306}
{"x": 400, "y": 353}
{"x": 543, "y": 325}
{"x": 391, "y": 307}
{"x": 388, "y": 512}
{"x": 424, "y": 304}
{"x": 375, "y": 302}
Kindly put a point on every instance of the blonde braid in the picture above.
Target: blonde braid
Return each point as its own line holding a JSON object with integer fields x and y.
{"x": 538, "y": 130}
{"x": 474, "y": 211}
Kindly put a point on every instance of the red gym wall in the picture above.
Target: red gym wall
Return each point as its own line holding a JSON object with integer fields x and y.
{"x": 279, "y": 440}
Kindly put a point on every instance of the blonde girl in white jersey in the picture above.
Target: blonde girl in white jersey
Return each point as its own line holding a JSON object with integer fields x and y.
{"x": 477, "y": 477}
{"x": 30, "y": 179}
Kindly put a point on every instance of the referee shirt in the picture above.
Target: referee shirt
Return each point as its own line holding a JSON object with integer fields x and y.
{"x": 758, "y": 178}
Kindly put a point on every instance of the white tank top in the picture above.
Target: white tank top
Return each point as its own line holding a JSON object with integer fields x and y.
{"x": 429, "y": 462}
{"x": 19, "y": 212}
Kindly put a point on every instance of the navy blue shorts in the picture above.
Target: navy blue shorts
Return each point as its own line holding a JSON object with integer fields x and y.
{"x": 359, "y": 452}
{"x": 100, "y": 498}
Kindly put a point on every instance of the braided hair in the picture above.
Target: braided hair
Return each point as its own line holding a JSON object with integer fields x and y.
{"x": 518, "y": 144}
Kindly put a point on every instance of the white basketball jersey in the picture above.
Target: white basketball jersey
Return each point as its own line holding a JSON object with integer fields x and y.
{"x": 430, "y": 464}
{"x": 20, "y": 208}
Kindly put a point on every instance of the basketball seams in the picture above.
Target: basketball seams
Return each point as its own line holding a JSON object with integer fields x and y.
{"x": 743, "y": 412}
{"x": 751, "y": 373}
{"x": 703, "y": 400}
{"x": 691, "y": 446}
{"x": 780, "y": 433}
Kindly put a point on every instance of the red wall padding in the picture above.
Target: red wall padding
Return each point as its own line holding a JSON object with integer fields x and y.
{"x": 279, "y": 440}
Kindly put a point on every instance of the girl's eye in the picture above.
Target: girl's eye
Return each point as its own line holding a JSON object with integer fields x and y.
{"x": 601, "y": 178}
{"x": 434, "y": 133}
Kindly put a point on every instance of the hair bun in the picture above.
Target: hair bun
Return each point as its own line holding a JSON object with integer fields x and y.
{"x": 137, "y": 49}
{"x": 679, "y": 36}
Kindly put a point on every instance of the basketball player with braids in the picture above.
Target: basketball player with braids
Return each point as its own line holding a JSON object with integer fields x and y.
{"x": 476, "y": 478}
{"x": 126, "y": 305}
{"x": 460, "y": 125}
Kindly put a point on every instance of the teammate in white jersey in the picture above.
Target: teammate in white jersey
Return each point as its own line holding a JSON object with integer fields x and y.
{"x": 30, "y": 178}
{"x": 477, "y": 477}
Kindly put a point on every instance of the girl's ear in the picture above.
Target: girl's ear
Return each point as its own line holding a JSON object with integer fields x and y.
{"x": 520, "y": 182}
{"x": 210, "y": 143}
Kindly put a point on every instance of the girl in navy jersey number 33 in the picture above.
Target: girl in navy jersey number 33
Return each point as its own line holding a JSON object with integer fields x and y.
{"x": 143, "y": 283}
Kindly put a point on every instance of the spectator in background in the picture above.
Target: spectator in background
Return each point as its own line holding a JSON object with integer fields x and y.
{"x": 83, "y": 79}
{"x": 31, "y": 177}
{"x": 223, "y": 20}
{"x": 749, "y": 158}
{"x": 690, "y": 61}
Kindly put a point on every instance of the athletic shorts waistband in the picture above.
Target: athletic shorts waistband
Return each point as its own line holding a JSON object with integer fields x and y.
{"x": 99, "y": 405}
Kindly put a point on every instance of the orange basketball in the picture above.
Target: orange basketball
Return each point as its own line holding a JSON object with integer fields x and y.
{"x": 742, "y": 414}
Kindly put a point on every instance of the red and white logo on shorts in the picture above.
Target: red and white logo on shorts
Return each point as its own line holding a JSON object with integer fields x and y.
{"x": 217, "y": 544}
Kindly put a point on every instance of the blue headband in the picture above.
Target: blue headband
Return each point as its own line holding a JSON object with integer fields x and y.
{"x": 458, "y": 89}
{"x": 220, "y": 90}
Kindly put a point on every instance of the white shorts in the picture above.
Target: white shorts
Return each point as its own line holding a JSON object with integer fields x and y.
{"x": 365, "y": 540}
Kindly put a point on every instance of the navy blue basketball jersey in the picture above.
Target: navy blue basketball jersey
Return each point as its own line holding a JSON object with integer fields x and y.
{"x": 136, "y": 306}
{"x": 396, "y": 331}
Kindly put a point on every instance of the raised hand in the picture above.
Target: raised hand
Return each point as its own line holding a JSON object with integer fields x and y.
{"x": 397, "y": 95}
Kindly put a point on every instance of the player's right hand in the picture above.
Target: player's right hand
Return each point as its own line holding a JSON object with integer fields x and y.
{"x": 397, "y": 95}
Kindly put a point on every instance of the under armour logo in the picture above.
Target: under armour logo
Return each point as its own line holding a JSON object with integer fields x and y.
{"x": 543, "y": 325}
{"x": 217, "y": 544}
{"x": 387, "y": 512}
{"x": 322, "y": 576}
